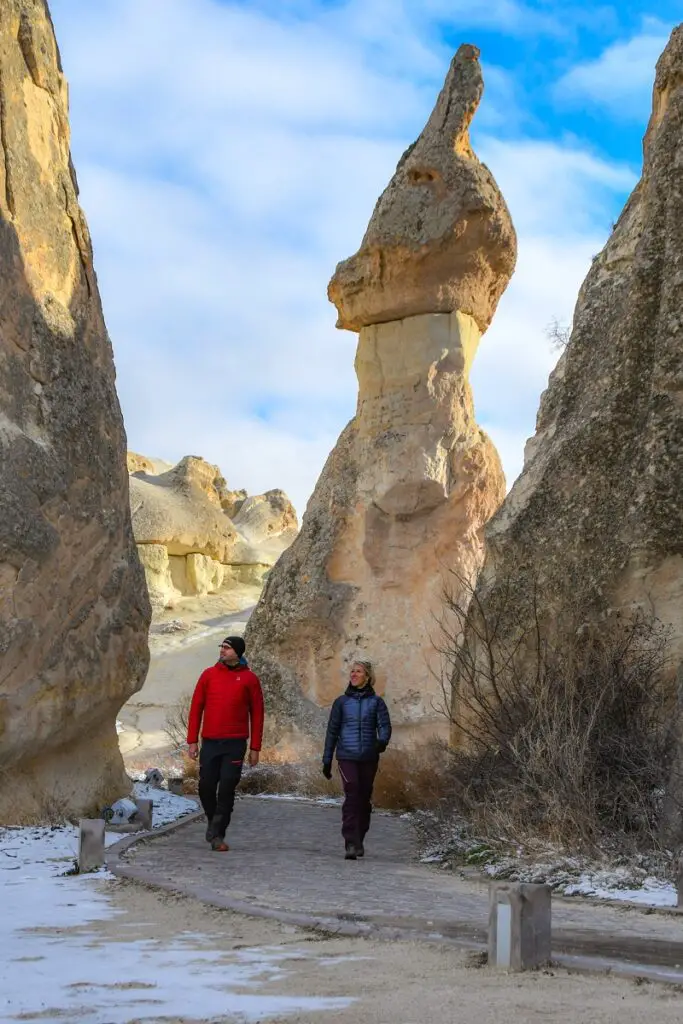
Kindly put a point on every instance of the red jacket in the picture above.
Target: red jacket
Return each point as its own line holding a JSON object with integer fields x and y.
{"x": 226, "y": 701}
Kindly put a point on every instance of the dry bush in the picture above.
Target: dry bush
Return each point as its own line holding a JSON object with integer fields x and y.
{"x": 407, "y": 779}
{"x": 412, "y": 778}
{"x": 48, "y": 808}
{"x": 302, "y": 778}
{"x": 176, "y": 720}
{"x": 565, "y": 733}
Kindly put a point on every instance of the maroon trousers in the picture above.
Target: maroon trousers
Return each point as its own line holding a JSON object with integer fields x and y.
{"x": 358, "y": 778}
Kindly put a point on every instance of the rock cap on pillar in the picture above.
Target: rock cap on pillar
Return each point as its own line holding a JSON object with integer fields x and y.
{"x": 441, "y": 237}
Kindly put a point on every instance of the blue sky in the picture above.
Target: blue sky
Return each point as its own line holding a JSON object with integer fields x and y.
{"x": 230, "y": 153}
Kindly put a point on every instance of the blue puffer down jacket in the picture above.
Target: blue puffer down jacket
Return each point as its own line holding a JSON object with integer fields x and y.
{"x": 359, "y": 727}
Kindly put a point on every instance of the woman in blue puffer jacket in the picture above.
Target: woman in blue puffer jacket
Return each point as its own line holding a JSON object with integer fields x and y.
{"x": 359, "y": 730}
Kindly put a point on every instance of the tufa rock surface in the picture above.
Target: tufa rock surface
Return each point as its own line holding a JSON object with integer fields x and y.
{"x": 440, "y": 237}
{"x": 74, "y": 610}
{"x": 187, "y": 541}
{"x": 404, "y": 496}
{"x": 599, "y": 504}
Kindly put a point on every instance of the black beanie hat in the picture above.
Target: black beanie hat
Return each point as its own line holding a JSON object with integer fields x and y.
{"x": 237, "y": 643}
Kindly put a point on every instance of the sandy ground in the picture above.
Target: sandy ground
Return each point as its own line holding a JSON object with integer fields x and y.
{"x": 396, "y": 982}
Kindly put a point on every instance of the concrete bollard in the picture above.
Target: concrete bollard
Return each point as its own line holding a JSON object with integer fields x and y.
{"x": 519, "y": 925}
{"x": 90, "y": 844}
{"x": 145, "y": 812}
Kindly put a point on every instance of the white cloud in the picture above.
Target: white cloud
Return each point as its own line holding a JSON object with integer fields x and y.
{"x": 620, "y": 79}
{"x": 228, "y": 157}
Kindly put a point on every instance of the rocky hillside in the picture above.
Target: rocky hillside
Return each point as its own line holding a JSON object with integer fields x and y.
{"x": 74, "y": 611}
{"x": 596, "y": 517}
{"x": 196, "y": 537}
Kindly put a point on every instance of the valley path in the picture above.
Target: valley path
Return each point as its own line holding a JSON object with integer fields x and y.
{"x": 286, "y": 862}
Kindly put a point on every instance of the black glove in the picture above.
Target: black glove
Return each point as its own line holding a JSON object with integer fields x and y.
{"x": 380, "y": 746}
{"x": 327, "y": 769}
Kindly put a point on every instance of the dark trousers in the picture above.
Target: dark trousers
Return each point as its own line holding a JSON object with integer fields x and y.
{"x": 220, "y": 770}
{"x": 358, "y": 778}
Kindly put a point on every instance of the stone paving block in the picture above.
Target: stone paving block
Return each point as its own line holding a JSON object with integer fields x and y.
{"x": 90, "y": 844}
{"x": 519, "y": 925}
{"x": 145, "y": 812}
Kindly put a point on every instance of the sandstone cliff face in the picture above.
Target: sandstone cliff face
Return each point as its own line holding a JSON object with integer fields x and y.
{"x": 405, "y": 494}
{"x": 599, "y": 503}
{"x": 73, "y": 607}
{"x": 187, "y": 541}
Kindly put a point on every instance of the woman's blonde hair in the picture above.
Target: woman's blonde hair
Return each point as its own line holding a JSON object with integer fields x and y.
{"x": 368, "y": 668}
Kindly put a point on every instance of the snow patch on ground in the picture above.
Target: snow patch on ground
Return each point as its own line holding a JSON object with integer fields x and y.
{"x": 167, "y": 807}
{"x": 448, "y": 842}
{"x": 574, "y": 876}
{"x": 56, "y": 966}
{"x": 654, "y": 892}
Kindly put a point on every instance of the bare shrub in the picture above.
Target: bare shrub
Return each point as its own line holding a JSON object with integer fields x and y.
{"x": 412, "y": 778}
{"x": 558, "y": 334}
{"x": 176, "y": 720}
{"x": 564, "y": 731}
{"x": 407, "y": 779}
{"x": 293, "y": 778}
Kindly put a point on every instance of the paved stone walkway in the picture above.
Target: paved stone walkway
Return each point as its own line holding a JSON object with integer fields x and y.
{"x": 286, "y": 861}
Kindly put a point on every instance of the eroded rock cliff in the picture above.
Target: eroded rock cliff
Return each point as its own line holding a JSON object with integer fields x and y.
{"x": 73, "y": 605}
{"x": 597, "y": 513}
{"x": 405, "y": 494}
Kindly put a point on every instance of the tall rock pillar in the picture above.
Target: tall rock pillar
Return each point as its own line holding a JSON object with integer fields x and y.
{"x": 73, "y": 604}
{"x": 405, "y": 494}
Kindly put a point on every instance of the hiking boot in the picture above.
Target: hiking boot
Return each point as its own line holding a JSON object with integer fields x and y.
{"x": 351, "y": 851}
{"x": 360, "y": 850}
{"x": 214, "y": 828}
{"x": 219, "y": 845}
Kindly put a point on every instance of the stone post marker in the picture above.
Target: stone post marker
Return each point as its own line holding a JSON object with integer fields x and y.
{"x": 519, "y": 925}
{"x": 144, "y": 815}
{"x": 91, "y": 844}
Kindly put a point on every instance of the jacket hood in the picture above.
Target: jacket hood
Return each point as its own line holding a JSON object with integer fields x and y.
{"x": 367, "y": 690}
{"x": 242, "y": 663}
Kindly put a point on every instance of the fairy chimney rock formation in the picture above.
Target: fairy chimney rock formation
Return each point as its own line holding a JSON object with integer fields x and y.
{"x": 73, "y": 605}
{"x": 404, "y": 496}
{"x": 599, "y": 504}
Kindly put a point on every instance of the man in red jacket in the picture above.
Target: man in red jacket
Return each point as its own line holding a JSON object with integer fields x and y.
{"x": 228, "y": 703}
